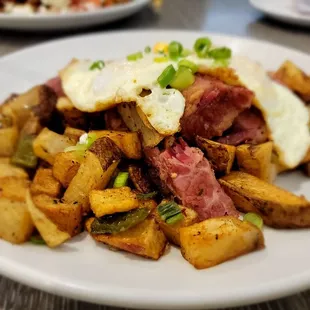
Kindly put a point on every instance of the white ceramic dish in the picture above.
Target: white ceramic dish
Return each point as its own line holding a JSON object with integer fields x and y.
{"x": 86, "y": 270}
{"x": 40, "y": 22}
{"x": 282, "y": 10}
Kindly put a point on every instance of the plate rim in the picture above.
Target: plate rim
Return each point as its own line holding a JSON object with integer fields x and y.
{"x": 270, "y": 290}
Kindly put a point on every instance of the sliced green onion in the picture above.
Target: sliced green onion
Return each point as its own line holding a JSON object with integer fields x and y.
{"x": 221, "y": 63}
{"x": 220, "y": 53}
{"x": 147, "y": 49}
{"x": 175, "y": 49}
{"x": 254, "y": 218}
{"x": 186, "y": 52}
{"x": 161, "y": 59}
{"x": 188, "y": 64}
{"x": 91, "y": 138}
{"x": 166, "y": 76}
{"x": 82, "y": 147}
{"x": 37, "y": 240}
{"x": 202, "y": 46}
{"x": 170, "y": 212}
{"x": 135, "y": 56}
{"x": 97, "y": 65}
{"x": 183, "y": 78}
{"x": 146, "y": 196}
{"x": 121, "y": 179}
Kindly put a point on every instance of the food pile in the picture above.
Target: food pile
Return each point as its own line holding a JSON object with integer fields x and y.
{"x": 26, "y": 7}
{"x": 169, "y": 145}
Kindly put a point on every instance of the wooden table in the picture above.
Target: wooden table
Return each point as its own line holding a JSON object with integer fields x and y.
{"x": 225, "y": 16}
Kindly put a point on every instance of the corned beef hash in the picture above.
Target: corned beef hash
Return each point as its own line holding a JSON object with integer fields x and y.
{"x": 166, "y": 145}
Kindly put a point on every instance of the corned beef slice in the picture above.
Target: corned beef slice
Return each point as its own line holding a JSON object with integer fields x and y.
{"x": 189, "y": 177}
{"x": 248, "y": 127}
{"x": 55, "y": 84}
{"x": 212, "y": 106}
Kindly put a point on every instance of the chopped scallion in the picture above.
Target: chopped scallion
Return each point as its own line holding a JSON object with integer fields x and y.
{"x": 188, "y": 64}
{"x": 135, "y": 56}
{"x": 97, "y": 65}
{"x": 147, "y": 49}
{"x": 186, "y": 52}
{"x": 161, "y": 59}
{"x": 183, "y": 78}
{"x": 202, "y": 46}
{"x": 146, "y": 196}
{"x": 220, "y": 53}
{"x": 121, "y": 179}
{"x": 175, "y": 50}
{"x": 37, "y": 240}
{"x": 174, "y": 219}
{"x": 166, "y": 76}
{"x": 254, "y": 218}
{"x": 170, "y": 212}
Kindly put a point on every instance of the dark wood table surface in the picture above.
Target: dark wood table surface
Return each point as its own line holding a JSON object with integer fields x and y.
{"x": 222, "y": 16}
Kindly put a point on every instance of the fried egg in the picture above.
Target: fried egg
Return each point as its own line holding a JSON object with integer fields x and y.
{"x": 123, "y": 81}
{"x": 285, "y": 114}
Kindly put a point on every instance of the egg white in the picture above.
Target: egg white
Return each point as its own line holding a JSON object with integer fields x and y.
{"x": 285, "y": 114}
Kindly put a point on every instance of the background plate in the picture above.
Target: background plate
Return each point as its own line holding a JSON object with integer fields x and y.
{"x": 86, "y": 270}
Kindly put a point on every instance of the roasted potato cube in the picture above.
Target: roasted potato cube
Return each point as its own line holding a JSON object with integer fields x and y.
{"x": 74, "y": 134}
{"x": 8, "y": 170}
{"x": 145, "y": 239}
{"x": 45, "y": 183}
{"x": 293, "y": 77}
{"x": 128, "y": 142}
{"x": 112, "y": 200}
{"x": 14, "y": 188}
{"x": 48, "y": 143}
{"x": 217, "y": 240}
{"x": 48, "y": 230}
{"x": 134, "y": 122}
{"x": 67, "y": 217}
{"x": 66, "y": 166}
{"x": 278, "y": 207}
{"x": 15, "y": 221}
{"x": 172, "y": 231}
{"x": 39, "y": 101}
{"x": 72, "y": 116}
{"x": 256, "y": 160}
{"x": 221, "y": 156}
{"x": 139, "y": 179}
{"x": 89, "y": 176}
{"x": 8, "y": 140}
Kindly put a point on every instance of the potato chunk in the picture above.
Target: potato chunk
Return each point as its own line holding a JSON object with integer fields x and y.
{"x": 145, "y": 239}
{"x": 112, "y": 200}
{"x": 15, "y": 221}
{"x": 256, "y": 160}
{"x": 74, "y": 134}
{"x": 48, "y": 143}
{"x": 172, "y": 231}
{"x": 221, "y": 156}
{"x": 278, "y": 207}
{"x": 66, "y": 166}
{"x": 8, "y": 140}
{"x": 217, "y": 240}
{"x": 45, "y": 183}
{"x": 48, "y": 230}
{"x": 9, "y": 170}
{"x": 14, "y": 188}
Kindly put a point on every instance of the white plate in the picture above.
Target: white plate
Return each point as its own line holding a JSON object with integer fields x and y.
{"x": 67, "y": 21}
{"x": 283, "y": 10}
{"x": 86, "y": 270}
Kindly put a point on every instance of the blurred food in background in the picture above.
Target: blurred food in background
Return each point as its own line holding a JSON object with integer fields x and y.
{"x": 54, "y": 6}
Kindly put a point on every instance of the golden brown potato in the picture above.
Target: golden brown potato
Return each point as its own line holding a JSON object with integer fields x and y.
{"x": 39, "y": 101}
{"x": 89, "y": 176}
{"x": 67, "y": 217}
{"x": 14, "y": 188}
{"x": 48, "y": 143}
{"x": 217, "y": 240}
{"x": 293, "y": 77}
{"x": 15, "y": 221}
{"x": 74, "y": 134}
{"x": 72, "y": 116}
{"x": 172, "y": 231}
{"x": 8, "y": 170}
{"x": 128, "y": 142}
{"x": 45, "y": 183}
{"x": 112, "y": 200}
{"x": 256, "y": 160}
{"x": 278, "y": 207}
{"x": 134, "y": 122}
{"x": 66, "y": 166}
{"x": 221, "y": 156}
{"x": 48, "y": 230}
{"x": 8, "y": 140}
{"x": 145, "y": 239}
